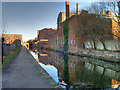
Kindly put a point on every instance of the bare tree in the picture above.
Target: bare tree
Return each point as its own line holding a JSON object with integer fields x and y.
{"x": 99, "y": 7}
{"x": 100, "y": 24}
{"x": 90, "y": 27}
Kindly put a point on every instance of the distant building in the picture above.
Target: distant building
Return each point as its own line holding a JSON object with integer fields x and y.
{"x": 11, "y": 42}
{"x": 30, "y": 44}
{"x": 46, "y": 36}
{"x": 25, "y": 44}
{"x": 12, "y": 38}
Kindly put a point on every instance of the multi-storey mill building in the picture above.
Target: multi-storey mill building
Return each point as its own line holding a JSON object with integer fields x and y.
{"x": 54, "y": 38}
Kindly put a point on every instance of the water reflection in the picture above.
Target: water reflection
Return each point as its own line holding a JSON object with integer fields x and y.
{"x": 51, "y": 70}
{"x": 66, "y": 71}
{"x": 78, "y": 72}
{"x": 43, "y": 54}
{"x": 115, "y": 84}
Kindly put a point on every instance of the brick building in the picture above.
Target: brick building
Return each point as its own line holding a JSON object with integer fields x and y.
{"x": 56, "y": 37}
{"x": 100, "y": 30}
{"x": 81, "y": 31}
{"x": 12, "y": 38}
{"x": 47, "y": 37}
{"x": 11, "y": 42}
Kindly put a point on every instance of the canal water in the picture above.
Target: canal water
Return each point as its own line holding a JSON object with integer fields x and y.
{"x": 78, "y": 72}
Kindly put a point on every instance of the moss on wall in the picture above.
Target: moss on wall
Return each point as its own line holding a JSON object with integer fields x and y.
{"x": 66, "y": 32}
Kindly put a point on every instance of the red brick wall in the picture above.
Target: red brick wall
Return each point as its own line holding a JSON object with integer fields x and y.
{"x": 56, "y": 37}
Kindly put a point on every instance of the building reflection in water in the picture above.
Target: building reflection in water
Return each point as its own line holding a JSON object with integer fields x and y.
{"x": 66, "y": 71}
{"x": 43, "y": 54}
{"x": 78, "y": 72}
{"x": 115, "y": 84}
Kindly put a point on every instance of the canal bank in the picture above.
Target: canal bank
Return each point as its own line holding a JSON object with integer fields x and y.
{"x": 107, "y": 56}
{"x": 25, "y": 72}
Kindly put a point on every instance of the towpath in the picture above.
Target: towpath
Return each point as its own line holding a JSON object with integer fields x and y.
{"x": 25, "y": 72}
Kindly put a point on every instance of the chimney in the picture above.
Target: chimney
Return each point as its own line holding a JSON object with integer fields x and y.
{"x": 78, "y": 8}
{"x": 67, "y": 9}
{"x": 38, "y": 35}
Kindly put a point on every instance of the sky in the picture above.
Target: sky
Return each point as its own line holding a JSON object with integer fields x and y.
{"x": 27, "y": 17}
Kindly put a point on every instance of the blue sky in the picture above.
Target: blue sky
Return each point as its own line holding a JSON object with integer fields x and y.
{"x": 27, "y": 17}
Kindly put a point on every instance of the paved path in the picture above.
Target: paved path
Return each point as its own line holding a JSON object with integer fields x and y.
{"x": 24, "y": 72}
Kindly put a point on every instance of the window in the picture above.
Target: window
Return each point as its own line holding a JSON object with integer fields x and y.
{"x": 74, "y": 42}
{"x": 74, "y": 65}
{"x": 56, "y": 58}
{"x": 70, "y": 42}
{"x": 56, "y": 42}
{"x": 71, "y": 64}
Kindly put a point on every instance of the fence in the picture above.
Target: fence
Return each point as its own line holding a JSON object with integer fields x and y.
{"x": 8, "y": 47}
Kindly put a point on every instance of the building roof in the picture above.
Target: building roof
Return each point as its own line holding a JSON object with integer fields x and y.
{"x": 49, "y": 29}
{"x": 11, "y": 34}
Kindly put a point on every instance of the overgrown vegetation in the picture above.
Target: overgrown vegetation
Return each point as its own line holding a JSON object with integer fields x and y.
{"x": 66, "y": 31}
{"x": 10, "y": 56}
{"x": 66, "y": 71}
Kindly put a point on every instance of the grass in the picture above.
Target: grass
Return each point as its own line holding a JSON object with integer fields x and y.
{"x": 9, "y": 57}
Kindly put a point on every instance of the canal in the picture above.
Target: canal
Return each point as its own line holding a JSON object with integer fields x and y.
{"x": 78, "y": 72}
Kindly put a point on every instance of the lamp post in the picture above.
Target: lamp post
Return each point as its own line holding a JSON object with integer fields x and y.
{"x": 2, "y": 48}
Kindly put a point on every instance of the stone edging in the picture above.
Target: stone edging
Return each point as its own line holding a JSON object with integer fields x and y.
{"x": 89, "y": 56}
